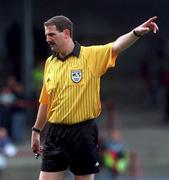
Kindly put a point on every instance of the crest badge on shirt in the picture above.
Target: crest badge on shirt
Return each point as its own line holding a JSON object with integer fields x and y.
{"x": 76, "y": 75}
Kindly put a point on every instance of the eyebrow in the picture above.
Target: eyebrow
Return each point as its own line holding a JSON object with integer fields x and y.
{"x": 50, "y": 33}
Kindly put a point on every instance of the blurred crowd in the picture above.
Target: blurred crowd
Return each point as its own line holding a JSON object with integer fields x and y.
{"x": 13, "y": 120}
{"x": 17, "y": 111}
{"x": 155, "y": 73}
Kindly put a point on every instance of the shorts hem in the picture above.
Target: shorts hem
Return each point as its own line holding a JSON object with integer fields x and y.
{"x": 55, "y": 170}
{"x": 82, "y": 173}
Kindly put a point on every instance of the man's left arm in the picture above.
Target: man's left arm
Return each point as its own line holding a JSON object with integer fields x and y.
{"x": 125, "y": 41}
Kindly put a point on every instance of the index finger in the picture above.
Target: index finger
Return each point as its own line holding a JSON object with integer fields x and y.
{"x": 150, "y": 20}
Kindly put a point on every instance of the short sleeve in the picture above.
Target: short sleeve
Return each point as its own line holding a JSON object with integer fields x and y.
{"x": 43, "y": 96}
{"x": 100, "y": 58}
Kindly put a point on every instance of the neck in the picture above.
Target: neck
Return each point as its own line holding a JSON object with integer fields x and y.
{"x": 68, "y": 48}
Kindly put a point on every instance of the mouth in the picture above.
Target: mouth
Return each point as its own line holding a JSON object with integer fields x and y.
{"x": 52, "y": 45}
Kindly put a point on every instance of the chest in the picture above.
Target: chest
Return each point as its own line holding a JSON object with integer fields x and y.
{"x": 65, "y": 74}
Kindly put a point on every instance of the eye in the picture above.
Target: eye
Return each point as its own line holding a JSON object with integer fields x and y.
{"x": 51, "y": 34}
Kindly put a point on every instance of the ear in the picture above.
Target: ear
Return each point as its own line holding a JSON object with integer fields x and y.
{"x": 67, "y": 33}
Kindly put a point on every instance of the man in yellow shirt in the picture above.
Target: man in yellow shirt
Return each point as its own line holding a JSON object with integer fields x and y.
{"x": 70, "y": 99}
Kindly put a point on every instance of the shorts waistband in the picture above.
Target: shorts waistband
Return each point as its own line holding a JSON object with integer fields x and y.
{"x": 87, "y": 122}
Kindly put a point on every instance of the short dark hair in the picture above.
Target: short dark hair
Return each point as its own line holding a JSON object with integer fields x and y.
{"x": 61, "y": 22}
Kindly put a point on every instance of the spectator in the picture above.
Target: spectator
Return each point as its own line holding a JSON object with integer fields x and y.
{"x": 18, "y": 119}
{"x": 7, "y": 149}
{"x": 115, "y": 155}
{"x": 7, "y": 98}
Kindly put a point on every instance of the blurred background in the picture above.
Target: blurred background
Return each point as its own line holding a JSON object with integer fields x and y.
{"x": 135, "y": 94}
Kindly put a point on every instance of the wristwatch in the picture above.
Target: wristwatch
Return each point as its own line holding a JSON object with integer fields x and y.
{"x": 36, "y": 130}
{"x": 136, "y": 34}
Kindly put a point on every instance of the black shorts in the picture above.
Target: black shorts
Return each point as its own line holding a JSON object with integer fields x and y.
{"x": 72, "y": 146}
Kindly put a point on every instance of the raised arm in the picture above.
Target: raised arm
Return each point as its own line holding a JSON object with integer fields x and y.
{"x": 125, "y": 41}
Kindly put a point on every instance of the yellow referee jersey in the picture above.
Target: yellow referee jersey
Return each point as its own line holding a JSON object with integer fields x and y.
{"x": 71, "y": 88}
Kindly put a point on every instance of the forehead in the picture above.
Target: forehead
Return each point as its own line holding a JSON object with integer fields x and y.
{"x": 50, "y": 28}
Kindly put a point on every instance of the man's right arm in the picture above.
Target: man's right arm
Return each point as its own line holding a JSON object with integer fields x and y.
{"x": 39, "y": 125}
{"x": 41, "y": 117}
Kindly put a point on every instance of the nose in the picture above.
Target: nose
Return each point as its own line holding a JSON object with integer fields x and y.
{"x": 47, "y": 39}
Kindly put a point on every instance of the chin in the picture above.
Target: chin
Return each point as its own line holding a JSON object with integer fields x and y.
{"x": 52, "y": 48}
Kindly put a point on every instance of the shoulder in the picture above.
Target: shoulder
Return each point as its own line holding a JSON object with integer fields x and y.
{"x": 94, "y": 49}
{"x": 97, "y": 47}
{"x": 48, "y": 60}
{"x": 87, "y": 50}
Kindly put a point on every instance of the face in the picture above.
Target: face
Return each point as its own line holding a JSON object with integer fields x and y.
{"x": 54, "y": 38}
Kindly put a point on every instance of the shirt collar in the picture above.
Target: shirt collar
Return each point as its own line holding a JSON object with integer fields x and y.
{"x": 75, "y": 52}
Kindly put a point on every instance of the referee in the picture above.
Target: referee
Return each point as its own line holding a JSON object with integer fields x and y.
{"x": 70, "y": 99}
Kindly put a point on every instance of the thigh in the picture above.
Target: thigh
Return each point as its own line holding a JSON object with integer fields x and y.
{"x": 83, "y": 151}
{"x": 85, "y": 177}
{"x": 53, "y": 158}
{"x": 51, "y": 175}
